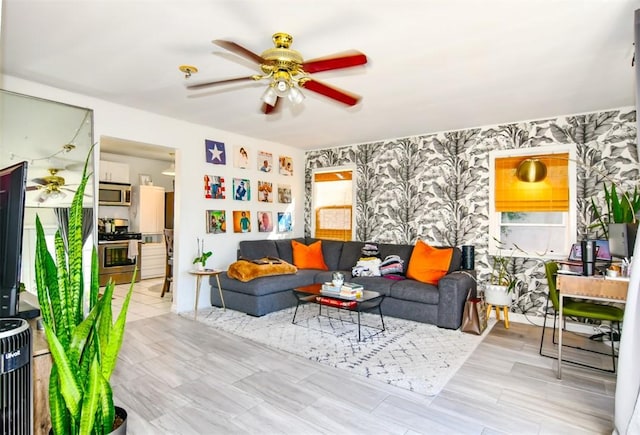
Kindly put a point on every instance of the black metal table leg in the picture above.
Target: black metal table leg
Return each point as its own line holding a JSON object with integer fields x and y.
{"x": 381, "y": 319}
{"x": 295, "y": 312}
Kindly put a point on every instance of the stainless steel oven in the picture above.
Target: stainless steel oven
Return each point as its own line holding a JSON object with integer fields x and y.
{"x": 116, "y": 261}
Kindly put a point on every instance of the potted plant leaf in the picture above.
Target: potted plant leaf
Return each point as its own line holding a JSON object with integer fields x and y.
{"x": 203, "y": 256}
{"x": 79, "y": 328}
{"x": 621, "y": 209}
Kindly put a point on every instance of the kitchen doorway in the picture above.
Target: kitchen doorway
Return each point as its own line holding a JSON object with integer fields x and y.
{"x": 150, "y": 172}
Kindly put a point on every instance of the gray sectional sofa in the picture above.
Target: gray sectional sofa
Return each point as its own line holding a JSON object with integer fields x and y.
{"x": 439, "y": 305}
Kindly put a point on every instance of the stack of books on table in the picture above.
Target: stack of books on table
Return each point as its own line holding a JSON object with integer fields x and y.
{"x": 348, "y": 290}
{"x": 351, "y": 290}
{"x": 328, "y": 287}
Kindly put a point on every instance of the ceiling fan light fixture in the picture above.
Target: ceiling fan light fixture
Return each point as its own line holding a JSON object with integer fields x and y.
{"x": 270, "y": 96}
{"x": 281, "y": 88}
{"x": 295, "y": 96}
{"x": 51, "y": 194}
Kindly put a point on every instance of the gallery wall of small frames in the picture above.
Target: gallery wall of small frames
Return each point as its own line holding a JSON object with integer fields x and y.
{"x": 264, "y": 189}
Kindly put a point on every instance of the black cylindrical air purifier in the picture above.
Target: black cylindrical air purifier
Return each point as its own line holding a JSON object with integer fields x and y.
{"x": 468, "y": 257}
{"x": 588, "y": 257}
{"x": 16, "y": 400}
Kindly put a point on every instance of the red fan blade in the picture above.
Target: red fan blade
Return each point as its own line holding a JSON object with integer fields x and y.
{"x": 268, "y": 108}
{"x": 332, "y": 92}
{"x": 336, "y": 61}
{"x": 239, "y": 50}
{"x": 218, "y": 82}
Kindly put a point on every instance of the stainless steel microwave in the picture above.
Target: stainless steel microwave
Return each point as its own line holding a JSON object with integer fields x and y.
{"x": 114, "y": 194}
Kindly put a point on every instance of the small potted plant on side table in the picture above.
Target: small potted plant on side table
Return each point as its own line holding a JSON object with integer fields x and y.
{"x": 201, "y": 259}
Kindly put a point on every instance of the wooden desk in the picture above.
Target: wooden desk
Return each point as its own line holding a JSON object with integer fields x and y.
{"x": 597, "y": 288}
{"x": 199, "y": 274}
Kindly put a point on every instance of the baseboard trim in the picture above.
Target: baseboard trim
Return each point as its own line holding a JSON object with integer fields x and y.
{"x": 580, "y": 328}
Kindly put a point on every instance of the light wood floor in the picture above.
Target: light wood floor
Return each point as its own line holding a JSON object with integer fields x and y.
{"x": 177, "y": 376}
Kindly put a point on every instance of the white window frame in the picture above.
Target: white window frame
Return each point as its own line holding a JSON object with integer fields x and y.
{"x": 569, "y": 218}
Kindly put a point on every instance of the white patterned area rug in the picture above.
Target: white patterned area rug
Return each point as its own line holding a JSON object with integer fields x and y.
{"x": 411, "y": 355}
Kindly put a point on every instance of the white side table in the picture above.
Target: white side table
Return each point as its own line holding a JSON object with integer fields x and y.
{"x": 199, "y": 274}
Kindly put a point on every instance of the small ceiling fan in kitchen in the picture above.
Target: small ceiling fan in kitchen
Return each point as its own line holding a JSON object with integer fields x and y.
{"x": 51, "y": 186}
{"x": 287, "y": 72}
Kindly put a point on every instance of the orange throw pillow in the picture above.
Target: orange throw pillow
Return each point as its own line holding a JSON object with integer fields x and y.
{"x": 428, "y": 264}
{"x": 308, "y": 257}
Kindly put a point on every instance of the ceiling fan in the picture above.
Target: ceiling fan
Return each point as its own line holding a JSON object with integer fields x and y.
{"x": 51, "y": 186}
{"x": 288, "y": 72}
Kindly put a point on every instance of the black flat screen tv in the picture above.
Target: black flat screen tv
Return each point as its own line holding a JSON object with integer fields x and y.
{"x": 13, "y": 186}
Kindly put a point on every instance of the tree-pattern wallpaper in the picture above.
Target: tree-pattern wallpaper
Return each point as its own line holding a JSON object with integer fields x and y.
{"x": 436, "y": 187}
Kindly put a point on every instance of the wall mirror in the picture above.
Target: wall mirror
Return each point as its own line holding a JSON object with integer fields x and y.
{"x": 55, "y": 139}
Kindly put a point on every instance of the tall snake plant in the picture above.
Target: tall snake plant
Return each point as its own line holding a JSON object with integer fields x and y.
{"x": 84, "y": 347}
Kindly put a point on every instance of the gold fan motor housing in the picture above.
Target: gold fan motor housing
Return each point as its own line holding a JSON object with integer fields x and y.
{"x": 281, "y": 57}
{"x": 53, "y": 179}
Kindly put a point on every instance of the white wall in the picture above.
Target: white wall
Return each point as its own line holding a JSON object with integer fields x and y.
{"x": 188, "y": 140}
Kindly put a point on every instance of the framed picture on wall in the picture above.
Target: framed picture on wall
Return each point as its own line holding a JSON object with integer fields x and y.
{"x": 284, "y": 222}
{"x": 241, "y": 189}
{"x": 286, "y": 165}
{"x": 215, "y": 152}
{"x": 265, "y": 161}
{"x": 284, "y": 193}
{"x": 265, "y": 222}
{"x": 216, "y": 221}
{"x": 265, "y": 191}
{"x": 241, "y": 221}
{"x": 214, "y": 187}
{"x": 241, "y": 157}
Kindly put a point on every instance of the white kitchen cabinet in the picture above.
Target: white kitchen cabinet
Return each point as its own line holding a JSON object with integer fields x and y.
{"x": 152, "y": 263}
{"x": 114, "y": 172}
{"x": 147, "y": 209}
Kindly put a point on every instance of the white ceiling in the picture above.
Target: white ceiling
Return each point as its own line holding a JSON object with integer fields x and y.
{"x": 434, "y": 65}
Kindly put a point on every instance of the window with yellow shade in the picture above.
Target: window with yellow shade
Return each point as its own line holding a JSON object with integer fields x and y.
{"x": 537, "y": 217}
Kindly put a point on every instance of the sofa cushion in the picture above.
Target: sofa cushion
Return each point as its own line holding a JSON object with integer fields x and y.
{"x": 375, "y": 283}
{"x": 284, "y": 248}
{"x": 331, "y": 250}
{"x": 253, "y": 249}
{"x": 351, "y": 252}
{"x": 429, "y": 264}
{"x": 247, "y": 270}
{"x": 308, "y": 256}
{"x": 415, "y": 291}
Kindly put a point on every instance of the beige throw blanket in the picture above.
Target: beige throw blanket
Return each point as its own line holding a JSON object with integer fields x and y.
{"x": 246, "y": 270}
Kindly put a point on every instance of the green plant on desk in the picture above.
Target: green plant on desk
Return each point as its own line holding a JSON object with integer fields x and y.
{"x": 620, "y": 208}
